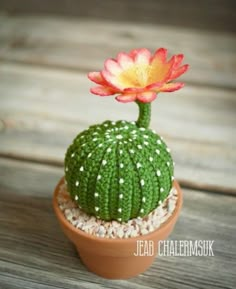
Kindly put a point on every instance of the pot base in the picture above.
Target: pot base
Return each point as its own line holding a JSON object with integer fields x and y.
{"x": 115, "y": 258}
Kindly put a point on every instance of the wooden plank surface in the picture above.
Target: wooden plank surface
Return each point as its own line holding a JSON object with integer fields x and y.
{"x": 204, "y": 14}
{"x": 34, "y": 253}
{"x": 84, "y": 44}
{"x": 45, "y": 109}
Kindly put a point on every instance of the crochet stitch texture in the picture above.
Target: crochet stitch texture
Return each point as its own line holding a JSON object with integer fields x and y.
{"x": 119, "y": 170}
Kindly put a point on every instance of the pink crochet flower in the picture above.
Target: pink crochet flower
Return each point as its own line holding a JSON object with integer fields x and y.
{"x": 139, "y": 75}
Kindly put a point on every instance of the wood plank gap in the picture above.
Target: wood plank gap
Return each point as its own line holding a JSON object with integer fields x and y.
{"x": 84, "y": 70}
{"x": 184, "y": 183}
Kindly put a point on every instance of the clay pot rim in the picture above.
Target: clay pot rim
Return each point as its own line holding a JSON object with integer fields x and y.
{"x": 90, "y": 237}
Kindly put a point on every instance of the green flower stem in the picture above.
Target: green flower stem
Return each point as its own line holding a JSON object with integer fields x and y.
{"x": 144, "y": 114}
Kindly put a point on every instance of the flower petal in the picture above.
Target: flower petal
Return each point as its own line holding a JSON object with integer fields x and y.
{"x": 112, "y": 80}
{"x": 112, "y": 66}
{"x": 102, "y": 90}
{"x": 143, "y": 56}
{"x": 147, "y": 96}
{"x": 179, "y": 71}
{"x": 160, "y": 55}
{"x": 171, "y": 86}
{"x": 178, "y": 60}
{"x": 154, "y": 86}
{"x": 126, "y": 97}
{"x": 96, "y": 77}
{"x": 124, "y": 60}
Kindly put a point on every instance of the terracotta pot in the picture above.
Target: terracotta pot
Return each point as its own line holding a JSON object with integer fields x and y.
{"x": 115, "y": 258}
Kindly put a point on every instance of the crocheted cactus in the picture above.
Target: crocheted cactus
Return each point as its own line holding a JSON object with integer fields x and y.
{"x": 119, "y": 170}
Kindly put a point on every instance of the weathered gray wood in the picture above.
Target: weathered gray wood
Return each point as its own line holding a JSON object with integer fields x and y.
{"x": 35, "y": 254}
{"x": 44, "y": 109}
{"x": 213, "y": 15}
{"x": 84, "y": 44}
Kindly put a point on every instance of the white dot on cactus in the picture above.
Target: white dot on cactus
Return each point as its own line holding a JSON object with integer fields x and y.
{"x": 145, "y": 136}
{"x": 142, "y": 128}
{"x": 119, "y": 136}
{"x": 105, "y": 124}
{"x": 125, "y": 142}
{"x": 77, "y": 183}
{"x": 119, "y": 219}
{"x": 150, "y": 159}
{"x": 113, "y": 123}
{"x": 120, "y": 196}
{"x": 123, "y": 121}
{"x": 89, "y": 155}
{"x": 146, "y": 143}
{"x": 81, "y": 169}
{"x": 121, "y": 181}
{"x": 96, "y": 195}
{"x": 141, "y": 211}
{"x": 121, "y": 152}
{"x": 99, "y": 177}
{"x": 174, "y": 164}
{"x": 153, "y": 130}
{"x": 66, "y": 169}
{"x": 121, "y": 165}
{"x": 72, "y": 155}
{"x": 120, "y": 210}
{"x": 100, "y": 145}
{"x": 116, "y": 129}
{"x": 160, "y": 203}
{"x": 172, "y": 178}
{"x": 109, "y": 150}
{"x": 133, "y": 131}
{"x": 107, "y": 136}
{"x": 168, "y": 150}
{"x": 126, "y": 127}
{"x": 140, "y": 147}
{"x": 138, "y": 165}
{"x": 104, "y": 162}
{"x": 76, "y": 198}
{"x": 157, "y": 151}
{"x": 143, "y": 199}
{"x": 159, "y": 141}
{"x": 168, "y": 164}
{"x": 133, "y": 122}
{"x": 142, "y": 182}
{"x": 96, "y": 209}
{"x": 161, "y": 190}
{"x": 161, "y": 138}
{"x": 83, "y": 144}
{"x": 95, "y": 139}
{"x": 131, "y": 151}
{"x": 130, "y": 139}
{"x": 158, "y": 173}
{"x": 95, "y": 133}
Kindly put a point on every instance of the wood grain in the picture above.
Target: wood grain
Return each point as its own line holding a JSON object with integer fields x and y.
{"x": 84, "y": 44}
{"x": 45, "y": 109}
{"x": 34, "y": 253}
{"x": 213, "y": 15}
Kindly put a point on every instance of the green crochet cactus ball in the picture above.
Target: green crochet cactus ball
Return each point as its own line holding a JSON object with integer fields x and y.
{"x": 118, "y": 170}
